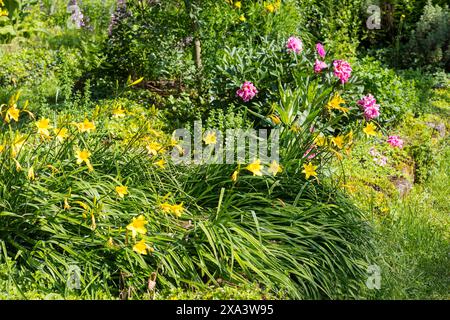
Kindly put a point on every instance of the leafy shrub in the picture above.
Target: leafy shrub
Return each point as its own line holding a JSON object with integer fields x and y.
{"x": 429, "y": 42}
{"x": 395, "y": 94}
{"x": 146, "y": 39}
{"x": 338, "y": 24}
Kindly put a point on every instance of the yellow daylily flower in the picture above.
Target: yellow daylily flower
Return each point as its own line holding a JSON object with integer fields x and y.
{"x": 12, "y": 114}
{"x": 122, "y": 191}
{"x": 153, "y": 148}
{"x": 270, "y": 7}
{"x": 255, "y": 167}
{"x": 61, "y": 133}
{"x": 83, "y": 156}
{"x": 166, "y": 207}
{"x": 161, "y": 163}
{"x": 142, "y": 248}
{"x": 274, "y": 168}
{"x": 118, "y": 112}
{"x": 335, "y": 103}
{"x": 238, "y": 5}
{"x": 370, "y": 129}
{"x": 137, "y": 225}
{"x": 275, "y": 119}
{"x": 338, "y": 141}
{"x": 309, "y": 170}
{"x": 320, "y": 141}
{"x": 210, "y": 138}
{"x": 177, "y": 209}
{"x": 85, "y": 126}
{"x": 43, "y": 126}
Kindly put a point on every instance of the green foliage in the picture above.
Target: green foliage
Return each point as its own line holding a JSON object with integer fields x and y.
{"x": 338, "y": 23}
{"x": 147, "y": 39}
{"x": 394, "y": 94}
{"x": 429, "y": 42}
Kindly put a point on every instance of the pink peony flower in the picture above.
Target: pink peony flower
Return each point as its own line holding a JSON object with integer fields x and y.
{"x": 319, "y": 66}
{"x": 395, "y": 141}
{"x": 370, "y": 107}
{"x": 320, "y": 50}
{"x": 294, "y": 44}
{"x": 372, "y": 112}
{"x": 342, "y": 70}
{"x": 247, "y": 91}
{"x": 367, "y": 101}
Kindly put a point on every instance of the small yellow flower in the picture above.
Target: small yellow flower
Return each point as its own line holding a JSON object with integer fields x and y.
{"x": 370, "y": 129}
{"x": 177, "y": 209}
{"x": 238, "y": 5}
{"x": 43, "y": 125}
{"x": 242, "y": 18}
{"x": 210, "y": 138}
{"x": 61, "y": 133}
{"x": 83, "y": 156}
{"x": 309, "y": 170}
{"x": 153, "y": 148}
{"x": 275, "y": 119}
{"x": 274, "y": 168}
{"x": 234, "y": 176}
{"x": 166, "y": 207}
{"x": 122, "y": 191}
{"x": 269, "y": 7}
{"x": 141, "y": 247}
{"x": 255, "y": 167}
{"x": 161, "y": 163}
{"x": 12, "y": 113}
{"x": 2, "y": 147}
{"x": 338, "y": 141}
{"x": 118, "y": 112}
{"x": 335, "y": 103}
{"x": 85, "y": 126}
{"x": 137, "y": 225}
{"x": 320, "y": 141}
{"x": 30, "y": 174}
